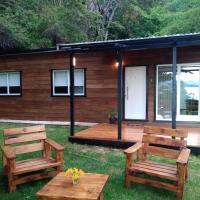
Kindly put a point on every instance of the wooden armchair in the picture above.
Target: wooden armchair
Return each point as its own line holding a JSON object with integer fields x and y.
{"x": 163, "y": 146}
{"x": 26, "y": 140}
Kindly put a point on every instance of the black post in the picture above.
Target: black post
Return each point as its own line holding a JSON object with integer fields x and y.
{"x": 71, "y": 94}
{"x": 174, "y": 87}
{"x": 120, "y": 88}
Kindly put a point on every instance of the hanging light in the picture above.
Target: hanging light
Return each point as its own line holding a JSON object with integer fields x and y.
{"x": 74, "y": 61}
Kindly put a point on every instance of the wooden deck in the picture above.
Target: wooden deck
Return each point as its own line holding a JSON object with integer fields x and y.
{"x": 106, "y": 134}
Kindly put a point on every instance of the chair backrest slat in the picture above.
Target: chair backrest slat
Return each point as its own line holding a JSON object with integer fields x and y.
{"x": 27, "y": 148}
{"x": 163, "y": 152}
{"x": 163, "y": 141}
{"x": 26, "y": 138}
{"x": 24, "y": 130}
{"x": 154, "y": 130}
{"x": 19, "y": 137}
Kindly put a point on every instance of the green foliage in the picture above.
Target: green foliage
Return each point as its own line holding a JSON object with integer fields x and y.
{"x": 44, "y": 23}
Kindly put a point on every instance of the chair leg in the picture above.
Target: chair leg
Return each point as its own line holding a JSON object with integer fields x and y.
{"x": 186, "y": 174}
{"x": 127, "y": 181}
{"x": 182, "y": 170}
{"x": 4, "y": 166}
{"x": 59, "y": 158}
{"x": 179, "y": 193}
{"x": 11, "y": 183}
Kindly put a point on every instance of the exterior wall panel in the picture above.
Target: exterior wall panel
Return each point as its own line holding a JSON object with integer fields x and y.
{"x": 37, "y": 103}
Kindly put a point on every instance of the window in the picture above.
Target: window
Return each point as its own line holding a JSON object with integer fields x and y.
{"x": 10, "y": 83}
{"x": 188, "y": 92}
{"x": 61, "y": 82}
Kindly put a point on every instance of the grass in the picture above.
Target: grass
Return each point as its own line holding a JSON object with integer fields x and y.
{"x": 100, "y": 160}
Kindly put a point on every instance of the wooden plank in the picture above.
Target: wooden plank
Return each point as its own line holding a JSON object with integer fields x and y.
{"x": 54, "y": 144}
{"x": 27, "y": 148}
{"x": 134, "y": 148}
{"x": 153, "y": 183}
{"x": 8, "y": 152}
{"x": 184, "y": 156}
{"x": 33, "y": 162}
{"x": 61, "y": 187}
{"x": 164, "y": 165}
{"x": 35, "y": 177}
{"x": 163, "y": 141}
{"x": 24, "y": 130}
{"x": 26, "y": 138}
{"x": 155, "y": 130}
{"x": 22, "y": 170}
{"x": 154, "y": 173}
{"x": 155, "y": 167}
{"x": 162, "y": 152}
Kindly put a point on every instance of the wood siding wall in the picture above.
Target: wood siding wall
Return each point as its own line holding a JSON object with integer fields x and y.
{"x": 36, "y": 102}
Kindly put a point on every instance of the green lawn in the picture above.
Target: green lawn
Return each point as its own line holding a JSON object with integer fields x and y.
{"x": 100, "y": 160}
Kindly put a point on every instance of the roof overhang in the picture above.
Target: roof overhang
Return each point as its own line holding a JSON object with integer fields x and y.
{"x": 135, "y": 44}
{"x": 154, "y": 42}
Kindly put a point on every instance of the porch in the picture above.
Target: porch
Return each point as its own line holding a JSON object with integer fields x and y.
{"x": 106, "y": 134}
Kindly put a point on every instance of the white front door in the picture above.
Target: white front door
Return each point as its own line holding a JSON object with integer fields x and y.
{"x": 135, "y": 93}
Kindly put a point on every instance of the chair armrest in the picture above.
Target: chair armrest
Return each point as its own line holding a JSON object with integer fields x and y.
{"x": 54, "y": 144}
{"x": 183, "y": 156}
{"x": 9, "y": 152}
{"x": 134, "y": 148}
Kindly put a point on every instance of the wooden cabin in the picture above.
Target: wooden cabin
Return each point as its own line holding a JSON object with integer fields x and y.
{"x": 147, "y": 80}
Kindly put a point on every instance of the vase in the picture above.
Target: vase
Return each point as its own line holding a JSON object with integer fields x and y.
{"x": 75, "y": 182}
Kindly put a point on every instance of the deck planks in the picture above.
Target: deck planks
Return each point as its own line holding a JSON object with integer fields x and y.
{"x": 131, "y": 133}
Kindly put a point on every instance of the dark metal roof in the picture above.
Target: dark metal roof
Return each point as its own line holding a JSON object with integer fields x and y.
{"x": 29, "y": 51}
{"x": 166, "y": 41}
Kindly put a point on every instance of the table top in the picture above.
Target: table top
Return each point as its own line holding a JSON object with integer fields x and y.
{"x": 90, "y": 186}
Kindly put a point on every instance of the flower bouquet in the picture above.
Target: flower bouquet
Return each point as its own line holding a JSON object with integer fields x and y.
{"x": 75, "y": 174}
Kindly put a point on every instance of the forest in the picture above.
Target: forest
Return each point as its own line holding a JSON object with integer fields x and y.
{"x": 31, "y": 24}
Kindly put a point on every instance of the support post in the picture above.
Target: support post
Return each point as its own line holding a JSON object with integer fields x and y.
{"x": 71, "y": 94}
{"x": 120, "y": 92}
{"x": 174, "y": 86}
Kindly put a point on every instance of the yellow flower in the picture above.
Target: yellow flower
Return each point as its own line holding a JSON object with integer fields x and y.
{"x": 74, "y": 172}
{"x": 75, "y": 177}
{"x": 81, "y": 172}
{"x": 69, "y": 172}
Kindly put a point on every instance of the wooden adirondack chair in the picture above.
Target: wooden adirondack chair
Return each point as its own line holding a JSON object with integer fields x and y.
{"x": 177, "y": 173}
{"x": 25, "y": 140}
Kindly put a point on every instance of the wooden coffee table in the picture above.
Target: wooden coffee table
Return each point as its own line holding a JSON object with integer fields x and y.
{"x": 90, "y": 187}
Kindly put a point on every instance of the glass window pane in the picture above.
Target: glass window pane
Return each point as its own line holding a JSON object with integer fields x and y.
{"x": 14, "y": 79}
{"x": 79, "y": 77}
{"x": 189, "y": 90}
{"x": 15, "y": 90}
{"x": 3, "y": 80}
{"x": 3, "y": 83}
{"x": 164, "y": 92}
{"x": 61, "y": 90}
{"x": 60, "y": 78}
{"x": 78, "y": 89}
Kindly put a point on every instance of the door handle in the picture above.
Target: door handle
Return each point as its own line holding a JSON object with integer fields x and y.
{"x": 127, "y": 93}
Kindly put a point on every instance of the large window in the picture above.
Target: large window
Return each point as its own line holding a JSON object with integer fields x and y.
{"x": 188, "y": 92}
{"x": 61, "y": 82}
{"x": 10, "y": 83}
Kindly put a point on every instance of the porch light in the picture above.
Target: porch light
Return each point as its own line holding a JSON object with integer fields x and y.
{"x": 74, "y": 61}
{"x": 117, "y": 64}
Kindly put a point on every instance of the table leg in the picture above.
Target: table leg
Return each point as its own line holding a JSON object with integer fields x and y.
{"x": 101, "y": 196}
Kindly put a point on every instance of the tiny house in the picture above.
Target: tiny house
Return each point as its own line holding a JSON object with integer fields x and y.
{"x": 154, "y": 79}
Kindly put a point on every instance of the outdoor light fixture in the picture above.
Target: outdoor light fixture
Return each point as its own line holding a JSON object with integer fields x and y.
{"x": 117, "y": 64}
{"x": 74, "y": 61}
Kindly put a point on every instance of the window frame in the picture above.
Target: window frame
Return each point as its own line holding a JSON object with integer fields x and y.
{"x": 179, "y": 65}
{"x": 8, "y": 94}
{"x": 53, "y": 94}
